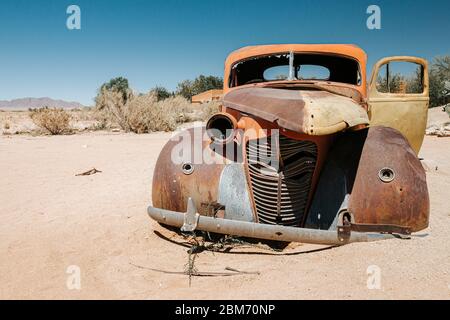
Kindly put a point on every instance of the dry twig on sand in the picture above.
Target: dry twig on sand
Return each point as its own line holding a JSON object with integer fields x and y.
{"x": 234, "y": 272}
{"x": 88, "y": 173}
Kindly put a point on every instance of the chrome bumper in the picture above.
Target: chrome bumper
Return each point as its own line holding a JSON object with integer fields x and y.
{"x": 191, "y": 221}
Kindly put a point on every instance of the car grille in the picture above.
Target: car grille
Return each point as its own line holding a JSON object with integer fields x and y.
{"x": 281, "y": 171}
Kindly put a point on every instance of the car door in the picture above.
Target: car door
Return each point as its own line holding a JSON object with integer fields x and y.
{"x": 399, "y": 97}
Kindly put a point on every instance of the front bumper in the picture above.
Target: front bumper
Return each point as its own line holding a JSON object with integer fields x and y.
{"x": 191, "y": 221}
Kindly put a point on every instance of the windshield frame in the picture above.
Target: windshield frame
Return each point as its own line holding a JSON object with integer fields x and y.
{"x": 291, "y": 55}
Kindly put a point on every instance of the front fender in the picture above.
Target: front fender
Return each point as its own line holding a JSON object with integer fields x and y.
{"x": 173, "y": 184}
{"x": 404, "y": 201}
{"x": 217, "y": 186}
{"x": 354, "y": 165}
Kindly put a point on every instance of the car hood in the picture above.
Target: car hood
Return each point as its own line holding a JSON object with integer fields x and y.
{"x": 312, "y": 112}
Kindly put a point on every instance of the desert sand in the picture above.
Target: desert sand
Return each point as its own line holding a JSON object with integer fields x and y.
{"x": 52, "y": 219}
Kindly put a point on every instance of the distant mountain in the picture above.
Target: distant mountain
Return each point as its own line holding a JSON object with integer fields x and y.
{"x": 25, "y": 103}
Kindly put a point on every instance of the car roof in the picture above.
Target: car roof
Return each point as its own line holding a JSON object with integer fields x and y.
{"x": 349, "y": 50}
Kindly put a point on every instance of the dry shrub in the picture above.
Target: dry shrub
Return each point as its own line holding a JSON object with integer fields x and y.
{"x": 102, "y": 121}
{"x": 84, "y": 114}
{"x": 55, "y": 121}
{"x": 147, "y": 114}
{"x": 201, "y": 112}
{"x": 142, "y": 113}
{"x": 111, "y": 108}
{"x": 209, "y": 109}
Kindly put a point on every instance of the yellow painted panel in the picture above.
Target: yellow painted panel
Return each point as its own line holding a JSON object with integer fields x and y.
{"x": 404, "y": 112}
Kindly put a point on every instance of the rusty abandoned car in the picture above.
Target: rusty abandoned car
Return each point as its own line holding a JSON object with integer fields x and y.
{"x": 320, "y": 154}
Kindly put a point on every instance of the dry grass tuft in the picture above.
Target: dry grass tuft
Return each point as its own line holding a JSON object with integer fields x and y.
{"x": 54, "y": 121}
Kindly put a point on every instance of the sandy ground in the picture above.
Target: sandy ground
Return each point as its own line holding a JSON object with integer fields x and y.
{"x": 437, "y": 117}
{"x": 52, "y": 219}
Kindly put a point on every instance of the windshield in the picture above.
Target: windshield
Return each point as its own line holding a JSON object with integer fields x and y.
{"x": 299, "y": 66}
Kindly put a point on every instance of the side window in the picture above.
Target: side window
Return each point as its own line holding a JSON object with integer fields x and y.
{"x": 400, "y": 77}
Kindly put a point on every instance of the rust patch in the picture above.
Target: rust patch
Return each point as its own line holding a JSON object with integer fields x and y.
{"x": 286, "y": 107}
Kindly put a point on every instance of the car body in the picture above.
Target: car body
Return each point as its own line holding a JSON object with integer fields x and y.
{"x": 309, "y": 150}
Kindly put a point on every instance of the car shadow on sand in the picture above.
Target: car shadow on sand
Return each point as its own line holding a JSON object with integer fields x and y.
{"x": 226, "y": 245}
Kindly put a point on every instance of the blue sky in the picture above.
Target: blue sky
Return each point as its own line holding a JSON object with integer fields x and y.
{"x": 163, "y": 42}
